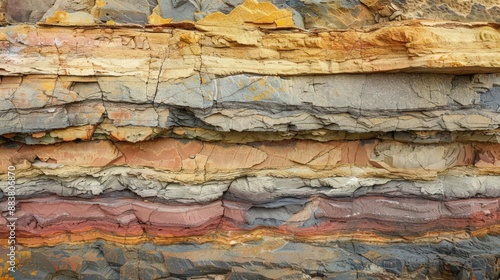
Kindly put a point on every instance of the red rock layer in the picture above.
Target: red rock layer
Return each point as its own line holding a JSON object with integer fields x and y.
{"x": 54, "y": 219}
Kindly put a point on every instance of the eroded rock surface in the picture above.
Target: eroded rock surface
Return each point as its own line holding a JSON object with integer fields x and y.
{"x": 227, "y": 139}
{"x": 308, "y": 14}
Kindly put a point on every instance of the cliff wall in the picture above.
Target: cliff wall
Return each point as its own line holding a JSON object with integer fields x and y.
{"x": 217, "y": 139}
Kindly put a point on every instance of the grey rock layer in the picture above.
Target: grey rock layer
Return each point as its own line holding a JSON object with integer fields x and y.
{"x": 91, "y": 186}
{"x": 307, "y": 13}
{"x": 261, "y": 189}
{"x": 353, "y": 103}
{"x": 476, "y": 258}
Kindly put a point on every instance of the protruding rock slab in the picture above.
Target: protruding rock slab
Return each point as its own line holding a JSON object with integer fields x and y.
{"x": 411, "y": 46}
{"x": 358, "y": 103}
{"x": 195, "y": 161}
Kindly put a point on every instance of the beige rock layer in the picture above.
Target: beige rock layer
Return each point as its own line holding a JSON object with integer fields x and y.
{"x": 161, "y": 53}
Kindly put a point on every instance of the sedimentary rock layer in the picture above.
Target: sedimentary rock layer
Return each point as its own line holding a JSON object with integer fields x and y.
{"x": 280, "y": 260}
{"x": 109, "y": 131}
{"x": 51, "y": 220}
{"x": 195, "y": 161}
{"x": 260, "y": 189}
{"x": 351, "y": 139}
{"x": 308, "y": 14}
{"x": 353, "y": 103}
{"x": 162, "y": 54}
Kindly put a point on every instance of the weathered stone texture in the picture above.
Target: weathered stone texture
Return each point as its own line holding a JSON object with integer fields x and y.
{"x": 308, "y": 14}
{"x": 354, "y": 103}
{"x": 475, "y": 258}
{"x": 231, "y": 139}
{"x": 189, "y": 161}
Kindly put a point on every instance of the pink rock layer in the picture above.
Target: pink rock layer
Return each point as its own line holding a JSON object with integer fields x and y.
{"x": 122, "y": 216}
{"x": 126, "y": 217}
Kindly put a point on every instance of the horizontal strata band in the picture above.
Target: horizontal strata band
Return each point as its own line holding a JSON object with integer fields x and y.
{"x": 412, "y": 46}
{"x": 195, "y": 161}
{"x": 210, "y": 140}
{"x": 51, "y": 220}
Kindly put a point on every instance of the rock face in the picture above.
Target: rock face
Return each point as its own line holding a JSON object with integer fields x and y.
{"x": 220, "y": 139}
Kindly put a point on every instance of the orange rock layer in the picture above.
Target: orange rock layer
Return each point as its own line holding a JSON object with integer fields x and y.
{"x": 217, "y": 161}
{"x": 161, "y": 53}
